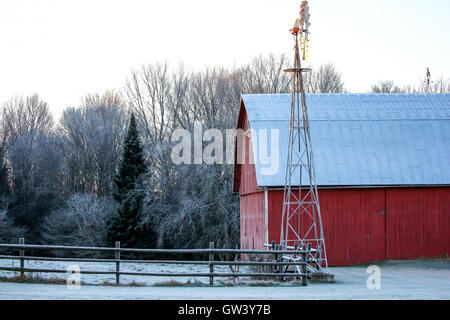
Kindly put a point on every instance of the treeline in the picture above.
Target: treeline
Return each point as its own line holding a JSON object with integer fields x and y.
{"x": 439, "y": 85}
{"x": 60, "y": 180}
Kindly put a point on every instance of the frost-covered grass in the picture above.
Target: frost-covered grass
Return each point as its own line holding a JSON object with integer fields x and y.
{"x": 414, "y": 279}
{"x": 93, "y": 279}
{"x": 33, "y": 279}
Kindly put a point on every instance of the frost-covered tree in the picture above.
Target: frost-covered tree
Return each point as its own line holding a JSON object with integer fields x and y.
{"x": 92, "y": 136}
{"x": 81, "y": 221}
{"x": 32, "y": 160}
{"x": 25, "y": 116}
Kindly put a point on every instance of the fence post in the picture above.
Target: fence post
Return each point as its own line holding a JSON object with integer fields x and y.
{"x": 304, "y": 283}
{"x": 22, "y": 261}
{"x": 278, "y": 258}
{"x": 236, "y": 266}
{"x": 211, "y": 263}
{"x": 117, "y": 263}
{"x": 273, "y": 268}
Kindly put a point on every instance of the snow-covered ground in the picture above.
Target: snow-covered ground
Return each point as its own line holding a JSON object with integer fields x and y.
{"x": 416, "y": 279}
{"x": 124, "y": 267}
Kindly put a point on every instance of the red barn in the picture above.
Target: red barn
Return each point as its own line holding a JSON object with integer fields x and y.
{"x": 382, "y": 165}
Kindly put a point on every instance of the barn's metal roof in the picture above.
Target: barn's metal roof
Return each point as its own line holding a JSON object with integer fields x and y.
{"x": 359, "y": 139}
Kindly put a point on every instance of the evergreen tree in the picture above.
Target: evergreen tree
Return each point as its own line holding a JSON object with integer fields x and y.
{"x": 126, "y": 226}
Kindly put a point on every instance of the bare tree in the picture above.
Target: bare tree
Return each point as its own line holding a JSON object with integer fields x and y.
{"x": 148, "y": 95}
{"x": 179, "y": 101}
{"x": 26, "y": 129}
{"x": 26, "y": 126}
{"x": 387, "y": 86}
{"x": 438, "y": 85}
{"x": 264, "y": 74}
{"x": 25, "y": 115}
{"x": 210, "y": 98}
{"x": 35, "y": 163}
{"x": 325, "y": 80}
{"x": 91, "y": 143}
{"x": 32, "y": 160}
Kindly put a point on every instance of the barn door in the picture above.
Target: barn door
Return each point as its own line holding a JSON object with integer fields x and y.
{"x": 374, "y": 208}
{"x": 354, "y": 225}
{"x": 407, "y": 208}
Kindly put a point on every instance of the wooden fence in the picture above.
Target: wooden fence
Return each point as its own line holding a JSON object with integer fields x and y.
{"x": 279, "y": 268}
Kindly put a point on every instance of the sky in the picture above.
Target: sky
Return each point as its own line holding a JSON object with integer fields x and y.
{"x": 64, "y": 49}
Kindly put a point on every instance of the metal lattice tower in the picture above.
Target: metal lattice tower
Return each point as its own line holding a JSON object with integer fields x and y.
{"x": 301, "y": 220}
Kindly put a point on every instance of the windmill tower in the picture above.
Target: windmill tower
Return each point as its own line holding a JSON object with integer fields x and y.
{"x": 301, "y": 225}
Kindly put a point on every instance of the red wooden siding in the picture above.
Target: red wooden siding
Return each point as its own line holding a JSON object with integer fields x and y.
{"x": 247, "y": 175}
{"x": 373, "y": 209}
{"x": 364, "y": 225}
{"x": 437, "y": 223}
{"x": 417, "y": 222}
{"x": 352, "y": 219}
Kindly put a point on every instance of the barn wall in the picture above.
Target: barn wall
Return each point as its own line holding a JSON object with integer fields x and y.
{"x": 252, "y": 201}
{"x": 248, "y": 178}
{"x": 363, "y": 225}
{"x": 353, "y": 223}
{"x": 417, "y": 222}
{"x": 252, "y": 220}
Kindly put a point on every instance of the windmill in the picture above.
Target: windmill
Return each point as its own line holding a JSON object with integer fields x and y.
{"x": 301, "y": 225}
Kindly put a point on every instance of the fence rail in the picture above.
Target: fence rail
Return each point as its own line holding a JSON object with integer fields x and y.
{"x": 279, "y": 268}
